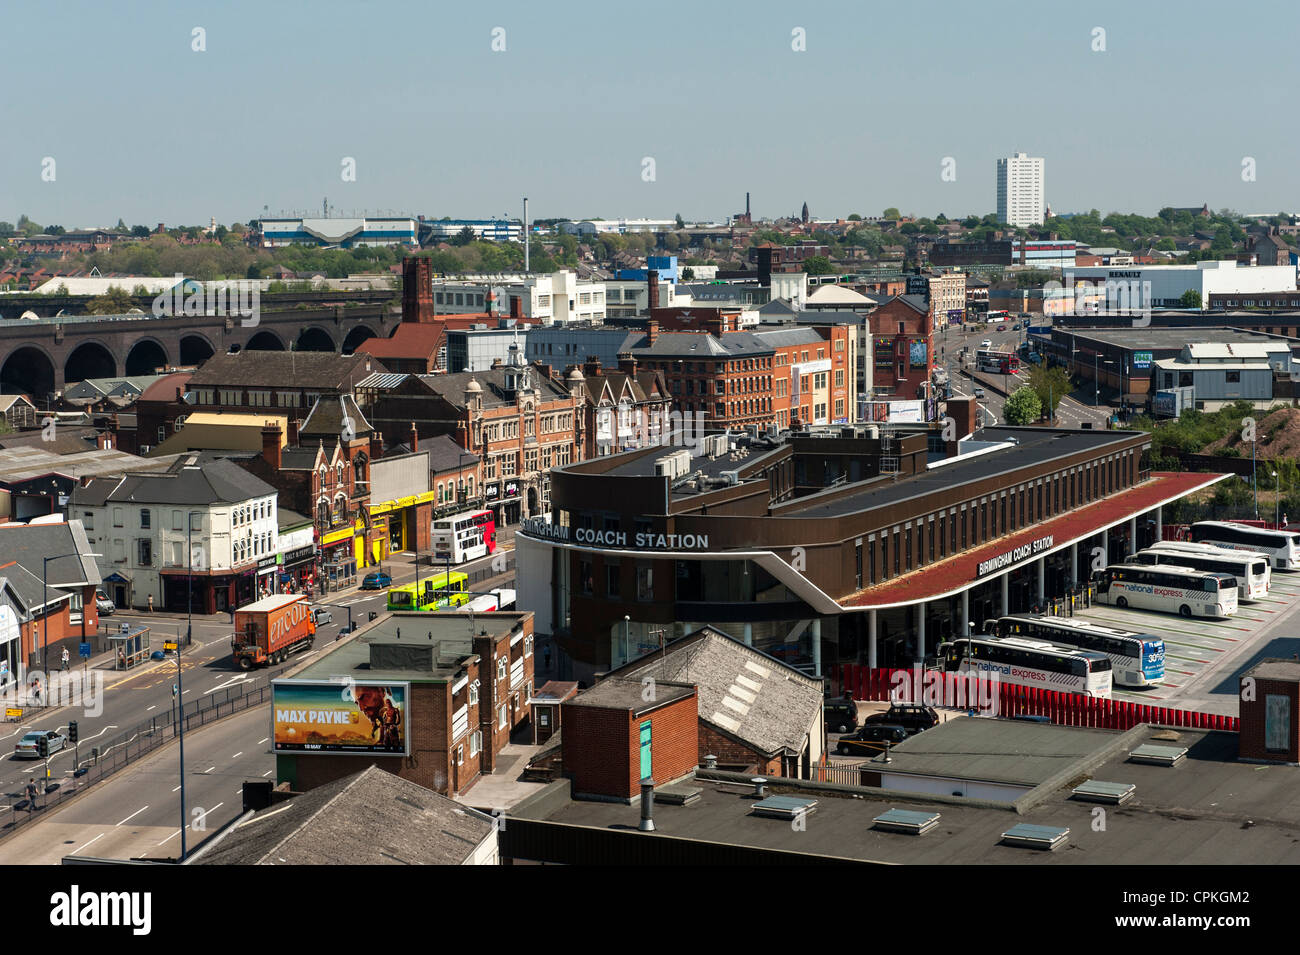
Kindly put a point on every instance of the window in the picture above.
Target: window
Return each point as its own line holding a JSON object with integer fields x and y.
{"x": 475, "y": 742}
{"x": 146, "y": 519}
{"x": 1233, "y": 377}
{"x": 528, "y": 647}
{"x": 645, "y": 583}
{"x": 117, "y": 517}
{"x": 473, "y": 692}
{"x": 503, "y": 716}
{"x": 145, "y": 548}
{"x": 612, "y": 580}
{"x": 502, "y": 664}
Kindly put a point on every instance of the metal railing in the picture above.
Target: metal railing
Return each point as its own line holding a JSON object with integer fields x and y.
{"x": 97, "y": 763}
{"x": 843, "y": 774}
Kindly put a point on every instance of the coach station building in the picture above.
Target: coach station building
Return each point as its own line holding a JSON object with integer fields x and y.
{"x": 860, "y": 544}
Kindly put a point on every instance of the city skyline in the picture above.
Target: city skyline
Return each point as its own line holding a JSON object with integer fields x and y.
{"x": 452, "y": 126}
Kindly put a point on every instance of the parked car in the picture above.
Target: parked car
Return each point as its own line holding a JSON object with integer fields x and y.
{"x": 105, "y": 606}
{"x": 26, "y": 748}
{"x": 321, "y": 615}
{"x": 841, "y": 716}
{"x": 871, "y": 739}
{"x": 377, "y": 581}
{"x": 912, "y": 716}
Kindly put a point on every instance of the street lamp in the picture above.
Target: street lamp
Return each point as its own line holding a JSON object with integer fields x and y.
{"x": 45, "y": 599}
{"x": 1277, "y": 501}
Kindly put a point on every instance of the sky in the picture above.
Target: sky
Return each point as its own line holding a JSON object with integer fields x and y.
{"x": 111, "y": 112}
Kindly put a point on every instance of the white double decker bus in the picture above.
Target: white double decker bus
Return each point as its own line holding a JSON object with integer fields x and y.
{"x": 1048, "y": 666}
{"x": 1168, "y": 589}
{"x": 1282, "y": 547}
{"x": 1250, "y": 569}
{"x": 459, "y": 538}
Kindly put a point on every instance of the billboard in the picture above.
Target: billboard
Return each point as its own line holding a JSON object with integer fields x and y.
{"x": 894, "y": 412}
{"x": 1142, "y": 360}
{"x": 365, "y": 718}
{"x": 916, "y": 352}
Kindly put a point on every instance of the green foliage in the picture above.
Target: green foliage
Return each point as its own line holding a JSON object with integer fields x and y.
{"x": 854, "y": 217}
{"x": 818, "y": 265}
{"x": 1050, "y": 385}
{"x": 1023, "y": 407}
{"x": 891, "y": 213}
{"x": 1194, "y": 430}
{"x": 1190, "y": 299}
{"x": 688, "y": 274}
{"x": 681, "y": 223}
{"x": 116, "y": 301}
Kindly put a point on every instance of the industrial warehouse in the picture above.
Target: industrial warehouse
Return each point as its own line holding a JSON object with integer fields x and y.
{"x": 864, "y": 544}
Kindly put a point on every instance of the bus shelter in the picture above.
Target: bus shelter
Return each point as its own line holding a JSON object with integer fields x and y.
{"x": 338, "y": 575}
{"x": 130, "y": 646}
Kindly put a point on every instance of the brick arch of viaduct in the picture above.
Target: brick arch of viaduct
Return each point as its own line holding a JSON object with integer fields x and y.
{"x": 57, "y": 341}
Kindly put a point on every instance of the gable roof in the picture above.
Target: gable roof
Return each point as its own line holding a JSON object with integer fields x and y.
{"x": 26, "y": 546}
{"x": 318, "y": 371}
{"x": 742, "y": 692}
{"x": 371, "y": 817}
{"x": 219, "y": 481}
{"x": 327, "y": 417}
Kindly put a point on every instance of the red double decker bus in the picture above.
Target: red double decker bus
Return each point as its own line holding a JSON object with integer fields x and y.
{"x": 997, "y": 362}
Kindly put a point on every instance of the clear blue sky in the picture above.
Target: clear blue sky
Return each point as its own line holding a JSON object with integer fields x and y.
{"x": 142, "y": 127}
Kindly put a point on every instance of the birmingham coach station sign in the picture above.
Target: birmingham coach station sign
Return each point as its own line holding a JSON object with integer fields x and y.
{"x": 1014, "y": 556}
{"x": 641, "y": 540}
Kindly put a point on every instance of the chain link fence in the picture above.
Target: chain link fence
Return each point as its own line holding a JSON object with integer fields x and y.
{"x": 103, "y": 759}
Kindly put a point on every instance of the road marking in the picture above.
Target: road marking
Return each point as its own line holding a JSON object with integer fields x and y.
{"x": 222, "y": 686}
{"x": 174, "y": 790}
{"x": 237, "y": 755}
{"x": 148, "y": 708}
{"x": 98, "y": 837}
{"x": 267, "y": 773}
{"x": 133, "y": 815}
{"x": 208, "y": 770}
{"x": 171, "y": 837}
{"x": 262, "y": 740}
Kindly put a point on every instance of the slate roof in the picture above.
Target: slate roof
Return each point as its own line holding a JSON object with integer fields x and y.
{"x": 321, "y": 371}
{"x": 745, "y": 694}
{"x": 371, "y": 817}
{"x": 217, "y": 481}
{"x": 326, "y": 419}
{"x": 27, "y": 545}
{"x": 493, "y": 383}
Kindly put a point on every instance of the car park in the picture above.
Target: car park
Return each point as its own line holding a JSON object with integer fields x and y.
{"x": 27, "y": 748}
{"x": 915, "y": 717}
{"x": 871, "y": 739}
{"x": 377, "y": 581}
{"x": 841, "y": 716}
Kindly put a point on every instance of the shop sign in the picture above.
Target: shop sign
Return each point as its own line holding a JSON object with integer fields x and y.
{"x": 1014, "y": 556}
{"x": 300, "y": 554}
{"x": 512, "y": 488}
{"x": 491, "y": 492}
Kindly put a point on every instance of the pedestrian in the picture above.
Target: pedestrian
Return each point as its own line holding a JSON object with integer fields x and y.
{"x": 151, "y": 603}
{"x": 121, "y": 659}
{"x": 31, "y": 795}
{"x": 36, "y": 690}
{"x": 65, "y": 658}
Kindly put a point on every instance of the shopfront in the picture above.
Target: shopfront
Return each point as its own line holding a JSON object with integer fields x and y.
{"x": 296, "y": 567}
{"x": 267, "y": 568}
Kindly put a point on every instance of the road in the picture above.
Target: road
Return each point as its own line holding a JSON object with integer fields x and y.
{"x": 137, "y": 813}
{"x": 1070, "y": 413}
{"x": 117, "y": 702}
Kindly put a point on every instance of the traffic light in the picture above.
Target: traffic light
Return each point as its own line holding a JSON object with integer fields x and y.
{"x": 43, "y": 747}
{"x": 72, "y": 731}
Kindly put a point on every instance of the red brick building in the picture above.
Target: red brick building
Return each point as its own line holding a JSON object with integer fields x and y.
{"x": 469, "y": 693}
{"x": 1270, "y": 712}
{"x": 69, "y": 611}
{"x": 621, "y": 731}
{"x": 902, "y": 332}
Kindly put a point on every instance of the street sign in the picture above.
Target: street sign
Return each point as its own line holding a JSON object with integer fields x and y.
{"x": 84, "y": 651}
{"x": 169, "y": 646}
{"x": 13, "y": 712}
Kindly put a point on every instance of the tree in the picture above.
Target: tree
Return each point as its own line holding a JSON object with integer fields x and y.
{"x": 464, "y": 237}
{"x": 140, "y": 231}
{"x": 688, "y": 274}
{"x": 854, "y": 217}
{"x": 970, "y": 222}
{"x": 116, "y": 301}
{"x": 681, "y": 223}
{"x": 1023, "y": 407}
{"x": 818, "y": 265}
{"x": 1191, "y": 299}
{"x": 892, "y": 213}
{"x": 672, "y": 243}
{"x": 1050, "y": 384}
{"x": 6, "y": 229}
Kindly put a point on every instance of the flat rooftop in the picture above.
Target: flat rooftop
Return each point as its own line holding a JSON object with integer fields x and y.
{"x": 1150, "y": 338}
{"x": 1209, "y": 809}
{"x": 618, "y": 694}
{"x": 1035, "y": 446}
{"x": 450, "y": 635}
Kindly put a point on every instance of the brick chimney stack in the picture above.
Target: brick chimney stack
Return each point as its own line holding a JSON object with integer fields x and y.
{"x": 271, "y": 444}
{"x": 415, "y": 438}
{"x": 627, "y": 363}
{"x": 376, "y": 445}
{"x": 417, "y": 289}
{"x": 516, "y": 307}
{"x": 652, "y": 276}
{"x": 652, "y": 331}
{"x": 294, "y": 424}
